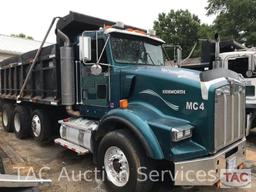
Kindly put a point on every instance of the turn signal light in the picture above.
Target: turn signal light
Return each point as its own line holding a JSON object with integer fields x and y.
{"x": 123, "y": 104}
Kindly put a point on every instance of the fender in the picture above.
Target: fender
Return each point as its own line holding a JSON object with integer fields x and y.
{"x": 137, "y": 126}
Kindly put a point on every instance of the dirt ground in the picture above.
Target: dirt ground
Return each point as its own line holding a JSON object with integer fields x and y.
{"x": 29, "y": 156}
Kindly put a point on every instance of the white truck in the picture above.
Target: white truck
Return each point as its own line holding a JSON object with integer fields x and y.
{"x": 244, "y": 62}
{"x": 238, "y": 58}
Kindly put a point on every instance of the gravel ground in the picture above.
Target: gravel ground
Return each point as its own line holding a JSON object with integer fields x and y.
{"x": 31, "y": 157}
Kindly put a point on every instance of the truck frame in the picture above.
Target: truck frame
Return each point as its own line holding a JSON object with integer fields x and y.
{"x": 107, "y": 86}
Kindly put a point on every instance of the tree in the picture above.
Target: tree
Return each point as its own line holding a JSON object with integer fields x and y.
{"x": 23, "y": 36}
{"x": 178, "y": 28}
{"x": 206, "y": 31}
{"x": 217, "y": 6}
{"x": 235, "y": 19}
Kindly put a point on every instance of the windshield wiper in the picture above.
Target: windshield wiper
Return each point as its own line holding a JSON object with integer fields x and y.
{"x": 150, "y": 57}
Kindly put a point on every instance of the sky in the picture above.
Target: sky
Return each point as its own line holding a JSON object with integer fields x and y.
{"x": 33, "y": 17}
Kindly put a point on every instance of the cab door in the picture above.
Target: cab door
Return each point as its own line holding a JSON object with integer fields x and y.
{"x": 95, "y": 88}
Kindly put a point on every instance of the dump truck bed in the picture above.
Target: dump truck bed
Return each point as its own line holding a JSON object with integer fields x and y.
{"x": 44, "y": 83}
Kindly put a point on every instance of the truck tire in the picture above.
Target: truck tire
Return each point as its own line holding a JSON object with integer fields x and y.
{"x": 119, "y": 153}
{"x": 21, "y": 122}
{"x": 7, "y": 117}
{"x": 41, "y": 127}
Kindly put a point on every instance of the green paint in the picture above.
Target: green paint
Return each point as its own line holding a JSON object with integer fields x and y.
{"x": 152, "y": 110}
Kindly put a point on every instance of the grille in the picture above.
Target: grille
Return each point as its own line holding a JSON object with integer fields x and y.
{"x": 229, "y": 115}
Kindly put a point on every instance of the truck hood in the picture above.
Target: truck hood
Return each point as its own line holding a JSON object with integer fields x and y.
{"x": 165, "y": 72}
{"x": 163, "y": 80}
{"x": 176, "y": 92}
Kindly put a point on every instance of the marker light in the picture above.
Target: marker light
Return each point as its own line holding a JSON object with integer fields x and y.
{"x": 123, "y": 104}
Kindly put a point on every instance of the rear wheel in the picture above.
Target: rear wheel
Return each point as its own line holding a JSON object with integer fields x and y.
{"x": 41, "y": 126}
{"x": 122, "y": 157}
{"x": 21, "y": 122}
{"x": 7, "y": 117}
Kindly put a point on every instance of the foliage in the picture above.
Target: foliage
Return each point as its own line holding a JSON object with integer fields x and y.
{"x": 206, "y": 31}
{"x": 217, "y": 6}
{"x": 21, "y": 35}
{"x": 236, "y": 19}
{"x": 178, "y": 28}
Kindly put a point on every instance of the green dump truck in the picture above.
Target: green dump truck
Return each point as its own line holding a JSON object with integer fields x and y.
{"x": 107, "y": 86}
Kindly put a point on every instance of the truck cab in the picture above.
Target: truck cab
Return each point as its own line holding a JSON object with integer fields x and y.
{"x": 110, "y": 53}
{"x": 243, "y": 62}
{"x": 133, "y": 112}
{"x": 188, "y": 118}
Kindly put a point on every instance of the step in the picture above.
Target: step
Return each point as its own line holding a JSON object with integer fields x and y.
{"x": 71, "y": 146}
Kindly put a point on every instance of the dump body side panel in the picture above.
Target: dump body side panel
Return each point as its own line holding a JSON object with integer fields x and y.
{"x": 44, "y": 82}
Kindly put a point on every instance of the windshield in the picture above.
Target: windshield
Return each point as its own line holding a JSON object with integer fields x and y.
{"x": 137, "y": 50}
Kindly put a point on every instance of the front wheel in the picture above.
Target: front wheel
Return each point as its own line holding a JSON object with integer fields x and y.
{"x": 123, "y": 161}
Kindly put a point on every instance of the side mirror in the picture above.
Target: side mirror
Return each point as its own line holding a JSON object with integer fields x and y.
{"x": 85, "y": 46}
{"x": 96, "y": 69}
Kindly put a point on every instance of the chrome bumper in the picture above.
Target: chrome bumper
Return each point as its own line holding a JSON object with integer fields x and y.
{"x": 187, "y": 172}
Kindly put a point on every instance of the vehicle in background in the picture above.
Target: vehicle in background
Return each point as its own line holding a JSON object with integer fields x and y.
{"x": 117, "y": 99}
{"x": 232, "y": 56}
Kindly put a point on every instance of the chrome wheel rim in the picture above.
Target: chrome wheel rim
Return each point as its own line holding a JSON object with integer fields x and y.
{"x": 116, "y": 166}
{"x": 36, "y": 125}
{"x": 5, "y": 118}
{"x": 17, "y": 122}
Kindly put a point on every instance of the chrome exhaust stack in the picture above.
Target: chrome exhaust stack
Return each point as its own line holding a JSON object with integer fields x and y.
{"x": 217, "y": 63}
{"x": 67, "y": 75}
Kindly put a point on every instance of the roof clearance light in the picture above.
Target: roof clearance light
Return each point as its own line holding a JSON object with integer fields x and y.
{"x": 107, "y": 26}
{"x": 119, "y": 25}
{"x": 135, "y": 31}
{"x": 151, "y": 32}
{"x": 139, "y": 31}
{"x": 130, "y": 29}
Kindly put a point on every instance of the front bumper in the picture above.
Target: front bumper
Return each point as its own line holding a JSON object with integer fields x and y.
{"x": 206, "y": 171}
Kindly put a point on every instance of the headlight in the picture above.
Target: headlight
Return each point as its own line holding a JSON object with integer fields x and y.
{"x": 181, "y": 134}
